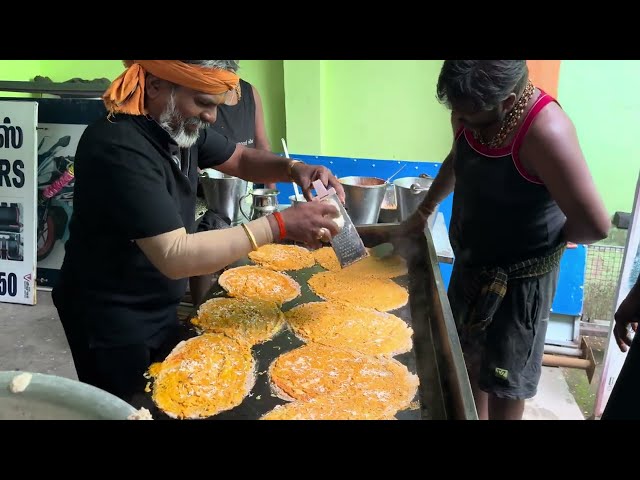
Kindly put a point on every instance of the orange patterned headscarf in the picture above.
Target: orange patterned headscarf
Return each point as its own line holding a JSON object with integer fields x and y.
{"x": 126, "y": 93}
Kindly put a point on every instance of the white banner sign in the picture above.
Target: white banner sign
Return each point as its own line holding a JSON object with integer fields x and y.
{"x": 18, "y": 207}
{"x": 614, "y": 358}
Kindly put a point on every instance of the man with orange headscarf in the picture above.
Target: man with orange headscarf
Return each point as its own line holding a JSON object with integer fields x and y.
{"x": 130, "y": 249}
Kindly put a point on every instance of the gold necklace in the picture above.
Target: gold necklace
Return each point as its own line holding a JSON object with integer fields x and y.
{"x": 511, "y": 119}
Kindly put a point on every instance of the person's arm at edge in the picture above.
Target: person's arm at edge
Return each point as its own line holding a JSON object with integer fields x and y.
{"x": 261, "y": 140}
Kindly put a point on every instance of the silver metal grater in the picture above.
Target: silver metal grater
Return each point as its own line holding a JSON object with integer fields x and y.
{"x": 347, "y": 243}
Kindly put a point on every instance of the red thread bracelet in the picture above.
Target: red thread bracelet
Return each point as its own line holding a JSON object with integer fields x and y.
{"x": 283, "y": 230}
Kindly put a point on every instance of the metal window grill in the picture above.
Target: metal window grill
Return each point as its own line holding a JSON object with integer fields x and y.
{"x": 601, "y": 281}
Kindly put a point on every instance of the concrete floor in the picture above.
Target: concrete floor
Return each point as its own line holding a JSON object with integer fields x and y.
{"x": 32, "y": 340}
{"x": 554, "y": 401}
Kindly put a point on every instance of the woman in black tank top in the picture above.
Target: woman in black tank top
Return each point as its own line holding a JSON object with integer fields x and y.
{"x": 242, "y": 121}
{"x": 521, "y": 189}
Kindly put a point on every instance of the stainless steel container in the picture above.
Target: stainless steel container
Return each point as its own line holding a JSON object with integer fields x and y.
{"x": 223, "y": 194}
{"x": 410, "y": 192}
{"x": 363, "y": 198}
{"x": 264, "y": 202}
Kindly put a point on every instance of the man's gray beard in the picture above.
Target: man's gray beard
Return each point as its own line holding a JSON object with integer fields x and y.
{"x": 180, "y": 135}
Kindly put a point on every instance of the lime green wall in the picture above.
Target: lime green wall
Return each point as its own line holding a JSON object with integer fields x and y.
{"x": 366, "y": 108}
{"x": 600, "y": 97}
{"x": 304, "y": 98}
{"x": 63, "y": 70}
{"x": 18, "y": 70}
{"x": 384, "y": 109}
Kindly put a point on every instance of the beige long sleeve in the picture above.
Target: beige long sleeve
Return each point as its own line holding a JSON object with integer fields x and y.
{"x": 178, "y": 254}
